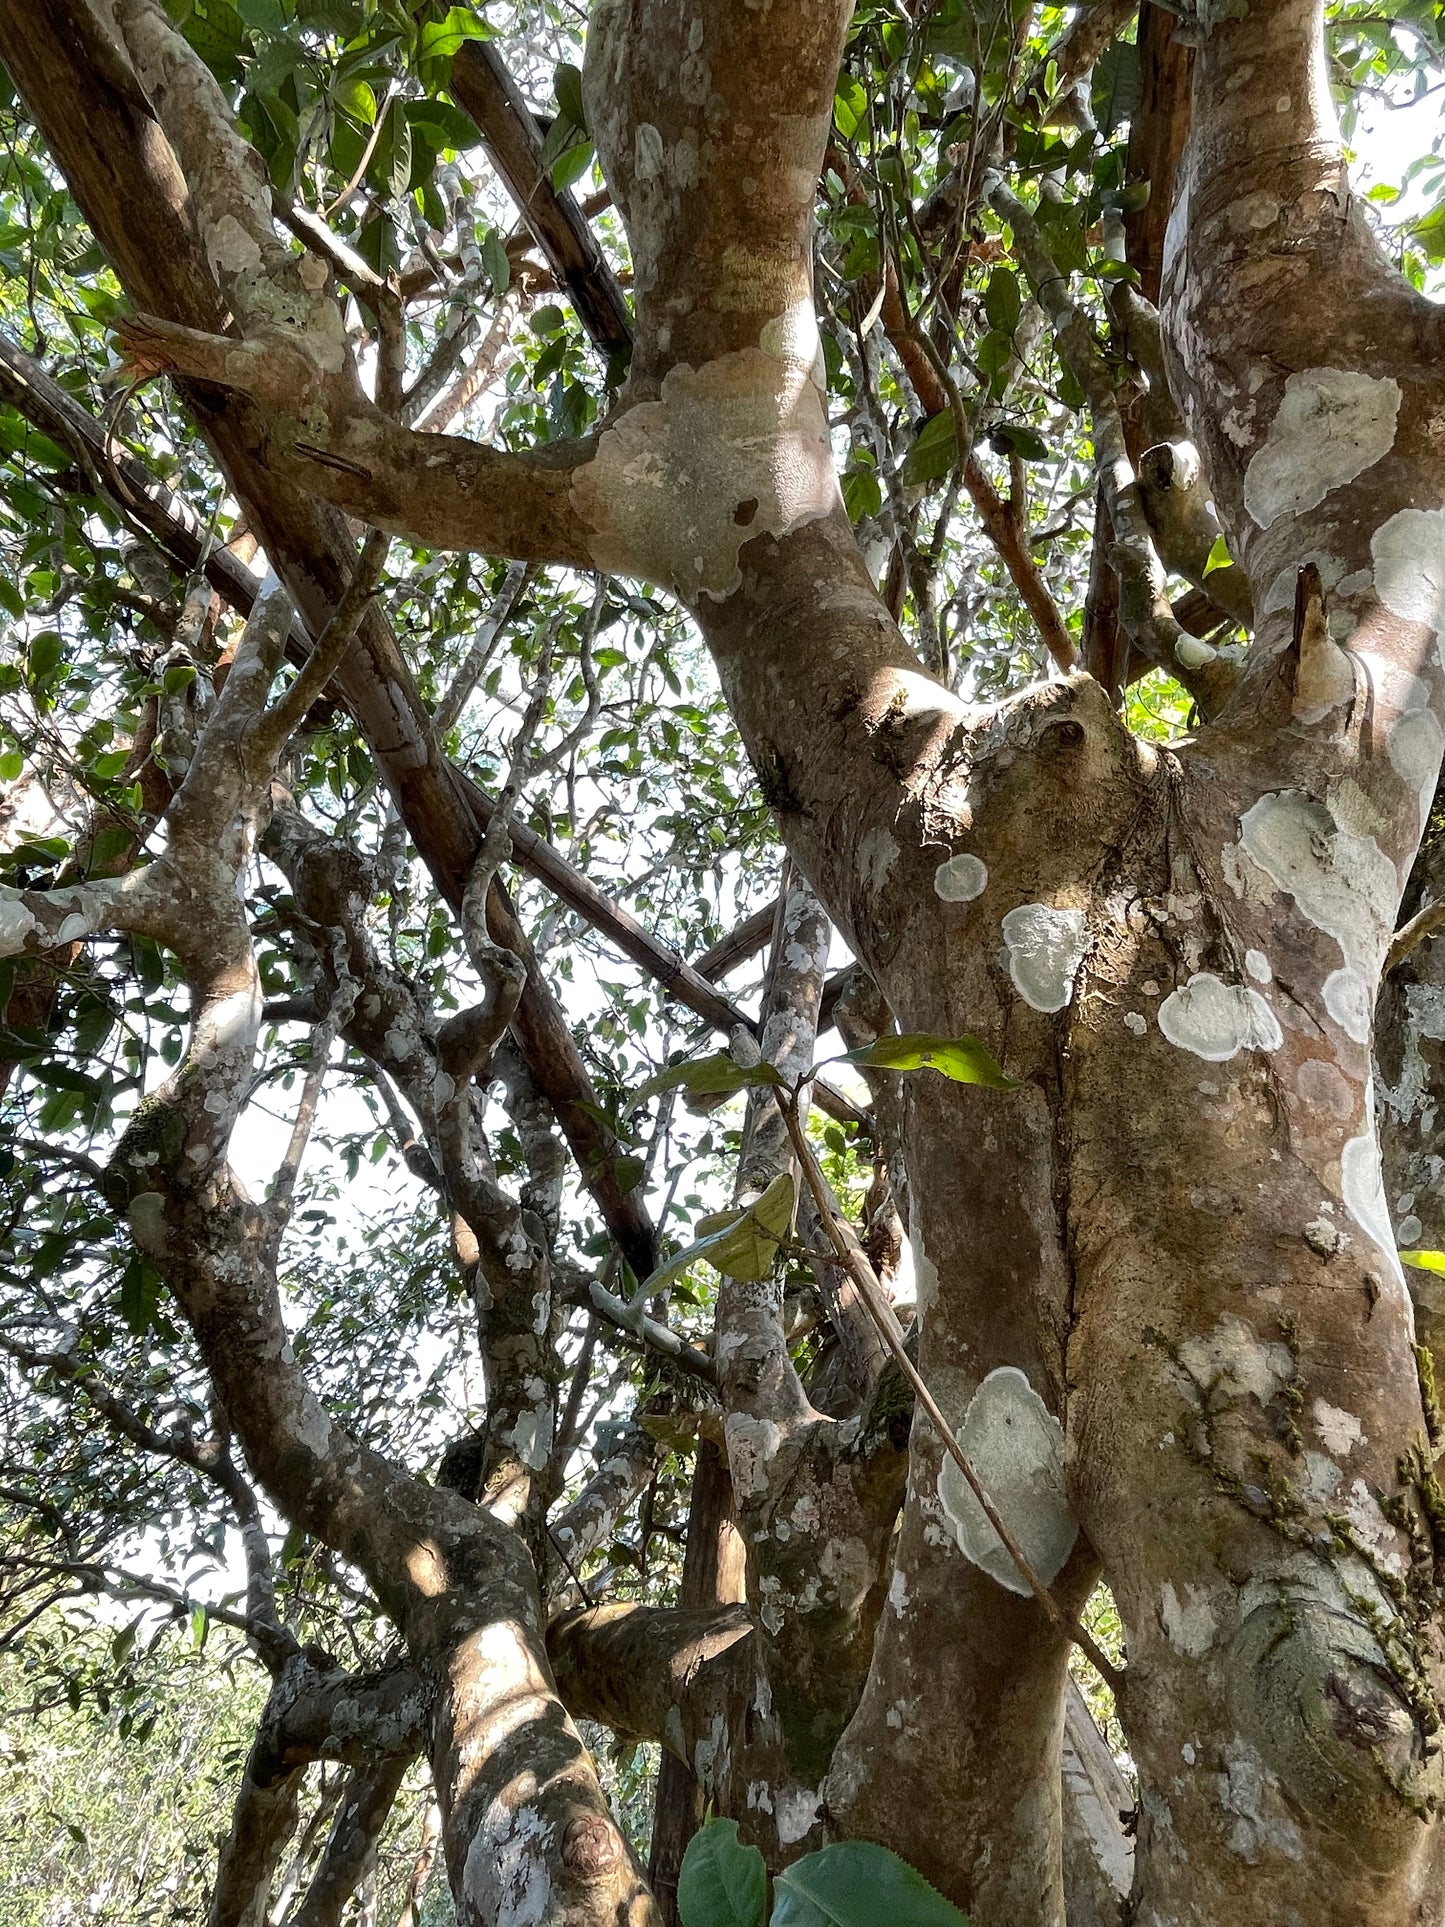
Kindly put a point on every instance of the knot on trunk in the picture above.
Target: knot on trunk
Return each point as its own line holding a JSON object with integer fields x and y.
{"x": 591, "y": 1846}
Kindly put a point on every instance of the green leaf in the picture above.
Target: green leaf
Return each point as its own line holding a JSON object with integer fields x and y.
{"x": 854, "y": 1883}
{"x": 391, "y": 165}
{"x": 1429, "y": 234}
{"x": 715, "y": 1076}
{"x": 562, "y": 134}
{"x": 850, "y": 106}
{"x": 962, "y": 1059}
{"x": 721, "y": 1883}
{"x": 1003, "y": 301}
{"x": 268, "y": 15}
{"x": 1118, "y": 86}
{"x": 1424, "y": 1260}
{"x": 934, "y": 451}
{"x": 140, "y": 1294}
{"x": 995, "y": 356}
{"x": 862, "y": 494}
{"x": 357, "y": 98}
{"x": 494, "y": 260}
{"x": 44, "y": 655}
{"x": 567, "y": 86}
{"x": 1063, "y": 225}
{"x": 1017, "y": 438}
{"x": 628, "y": 1171}
{"x": 442, "y": 125}
{"x": 179, "y": 676}
{"x": 741, "y": 1243}
{"x": 440, "y": 39}
{"x": 1219, "y": 556}
{"x": 572, "y": 165}
{"x": 547, "y": 320}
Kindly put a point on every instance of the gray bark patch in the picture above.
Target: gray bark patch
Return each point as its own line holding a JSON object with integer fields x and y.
{"x": 1016, "y": 1446}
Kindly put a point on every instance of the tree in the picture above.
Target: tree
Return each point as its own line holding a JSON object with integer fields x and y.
{"x": 1113, "y": 996}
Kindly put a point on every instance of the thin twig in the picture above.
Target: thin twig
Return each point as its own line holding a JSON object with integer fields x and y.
{"x": 330, "y": 646}
{"x": 366, "y": 152}
{"x": 518, "y": 575}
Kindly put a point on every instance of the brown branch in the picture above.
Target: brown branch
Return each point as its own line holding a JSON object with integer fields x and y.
{"x": 1000, "y": 526}
{"x": 482, "y": 85}
{"x": 1411, "y": 935}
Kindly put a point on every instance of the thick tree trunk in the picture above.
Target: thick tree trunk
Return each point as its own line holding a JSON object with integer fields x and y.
{"x": 713, "y": 1574}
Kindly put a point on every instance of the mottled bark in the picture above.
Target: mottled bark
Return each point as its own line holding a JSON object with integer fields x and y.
{"x": 1157, "y": 1284}
{"x": 350, "y": 1855}
{"x": 714, "y": 1573}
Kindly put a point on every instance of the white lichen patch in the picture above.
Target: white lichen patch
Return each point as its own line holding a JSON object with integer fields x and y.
{"x": 506, "y": 1875}
{"x": 1258, "y": 966}
{"x": 1415, "y": 744}
{"x": 1332, "y": 425}
{"x": 925, "y": 1276}
{"x": 532, "y": 1438}
{"x": 16, "y": 922}
{"x": 1232, "y": 1361}
{"x": 78, "y": 924}
{"x": 752, "y": 1444}
{"x": 312, "y": 1428}
{"x": 1016, "y": 1447}
{"x": 147, "y": 1215}
{"x": 1262, "y": 1828}
{"x": 1045, "y": 948}
{"x": 735, "y": 449}
{"x": 961, "y": 879}
{"x": 1216, "y": 1020}
{"x": 1188, "y": 1622}
{"x": 1342, "y": 881}
{"x": 1363, "y": 1511}
{"x": 1348, "y": 1001}
{"x": 1362, "y": 1190}
{"x": 876, "y": 854}
{"x": 1340, "y": 1431}
{"x": 1191, "y": 653}
{"x": 796, "y": 1810}
{"x": 1409, "y": 557}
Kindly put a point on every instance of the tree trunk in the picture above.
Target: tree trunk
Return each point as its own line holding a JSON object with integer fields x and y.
{"x": 713, "y": 1574}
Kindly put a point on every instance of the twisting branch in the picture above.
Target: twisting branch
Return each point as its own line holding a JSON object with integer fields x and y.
{"x": 930, "y": 383}
{"x": 1144, "y": 608}
{"x": 474, "y": 663}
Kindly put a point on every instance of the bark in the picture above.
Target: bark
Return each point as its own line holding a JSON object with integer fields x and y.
{"x": 714, "y": 1573}
{"x": 350, "y": 1855}
{"x": 1158, "y": 1292}
{"x": 483, "y": 86}
{"x": 454, "y": 1579}
{"x": 1098, "y": 1858}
